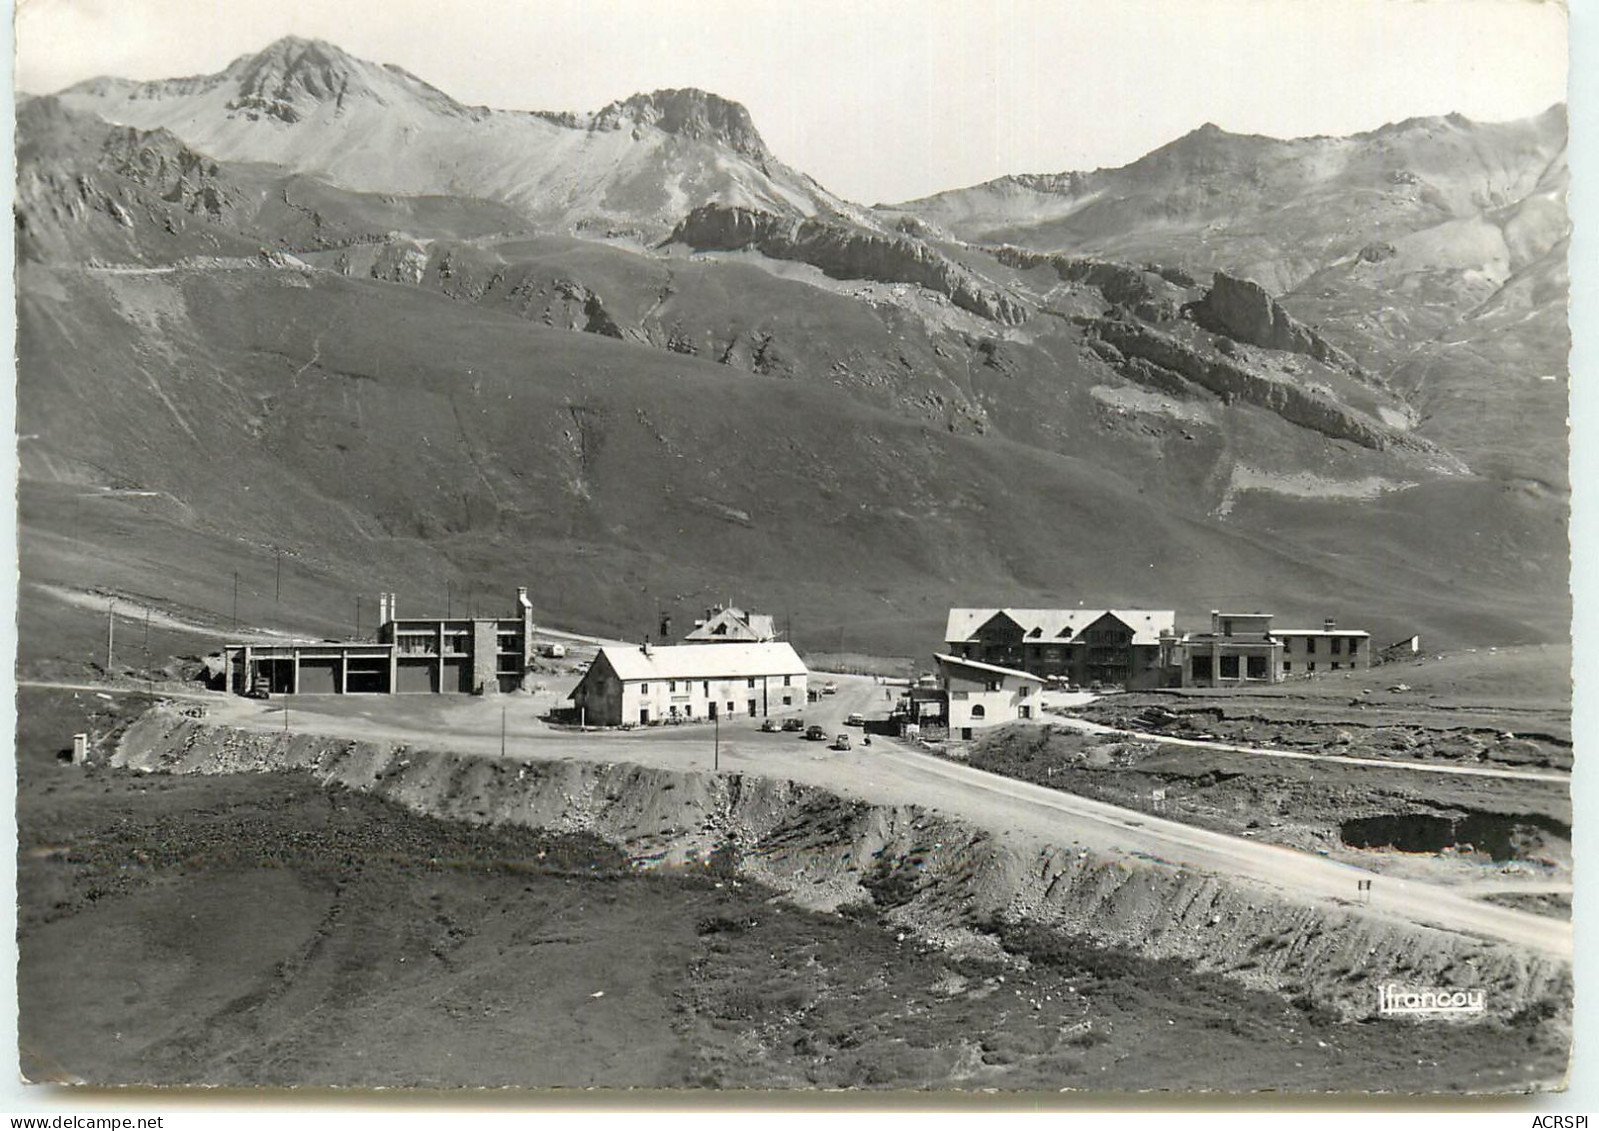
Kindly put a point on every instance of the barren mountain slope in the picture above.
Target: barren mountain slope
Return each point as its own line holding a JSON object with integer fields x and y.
{"x": 633, "y": 167}
{"x": 1410, "y": 245}
{"x": 859, "y": 425}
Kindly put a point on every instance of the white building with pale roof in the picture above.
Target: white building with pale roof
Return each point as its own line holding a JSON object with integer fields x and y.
{"x": 645, "y": 685}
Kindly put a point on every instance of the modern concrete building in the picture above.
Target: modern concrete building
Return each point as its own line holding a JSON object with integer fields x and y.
{"x": 647, "y": 685}
{"x": 1310, "y": 651}
{"x": 423, "y": 654}
{"x": 1105, "y": 646}
{"x": 458, "y": 654}
{"x": 732, "y": 626}
{"x": 985, "y": 695}
{"x": 1239, "y": 649}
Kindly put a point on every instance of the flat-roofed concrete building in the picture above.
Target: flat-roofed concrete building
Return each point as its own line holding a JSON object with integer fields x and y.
{"x": 646, "y": 684}
{"x": 1315, "y": 651}
{"x": 1239, "y": 649}
{"x": 448, "y": 655}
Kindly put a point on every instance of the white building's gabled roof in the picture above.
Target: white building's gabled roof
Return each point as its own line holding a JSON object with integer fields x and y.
{"x": 992, "y": 669}
{"x": 704, "y": 661}
{"x": 1147, "y": 624}
{"x": 735, "y": 626}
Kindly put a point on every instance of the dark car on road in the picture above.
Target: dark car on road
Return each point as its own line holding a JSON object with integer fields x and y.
{"x": 793, "y": 724}
{"x": 816, "y": 734}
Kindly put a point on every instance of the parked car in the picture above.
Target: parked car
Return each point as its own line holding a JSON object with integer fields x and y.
{"x": 856, "y": 719}
{"x": 841, "y": 742}
{"x": 793, "y": 724}
{"x": 829, "y": 688}
{"x": 257, "y": 691}
{"x": 816, "y": 734}
{"x": 769, "y": 726}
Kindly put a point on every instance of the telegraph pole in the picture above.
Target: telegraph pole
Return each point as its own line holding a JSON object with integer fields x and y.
{"x": 716, "y": 747}
{"x": 277, "y": 585}
{"x": 235, "y": 600}
{"x": 358, "y": 616}
{"x": 502, "y": 730}
{"x": 110, "y": 634}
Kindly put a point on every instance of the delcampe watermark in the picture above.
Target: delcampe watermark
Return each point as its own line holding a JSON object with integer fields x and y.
{"x": 1402, "y": 1001}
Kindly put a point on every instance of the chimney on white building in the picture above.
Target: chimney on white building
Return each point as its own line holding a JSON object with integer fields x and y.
{"x": 1328, "y": 625}
{"x": 383, "y": 609}
{"x": 1215, "y": 621}
{"x": 645, "y": 647}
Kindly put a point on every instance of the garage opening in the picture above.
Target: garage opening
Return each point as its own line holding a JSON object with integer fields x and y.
{"x": 367, "y": 675}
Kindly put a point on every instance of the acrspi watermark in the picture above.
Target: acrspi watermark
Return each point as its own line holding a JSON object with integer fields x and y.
{"x": 1402, "y": 1001}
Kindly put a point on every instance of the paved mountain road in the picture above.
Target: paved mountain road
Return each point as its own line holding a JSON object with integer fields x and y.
{"x": 889, "y": 773}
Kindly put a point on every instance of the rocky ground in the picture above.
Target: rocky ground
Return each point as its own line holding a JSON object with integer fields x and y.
{"x": 1458, "y": 830}
{"x": 267, "y": 929}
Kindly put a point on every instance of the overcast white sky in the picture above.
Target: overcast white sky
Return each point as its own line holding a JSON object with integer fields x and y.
{"x": 883, "y": 100}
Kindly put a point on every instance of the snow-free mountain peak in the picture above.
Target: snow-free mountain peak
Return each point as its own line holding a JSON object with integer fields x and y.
{"x": 689, "y": 113}
{"x": 633, "y": 169}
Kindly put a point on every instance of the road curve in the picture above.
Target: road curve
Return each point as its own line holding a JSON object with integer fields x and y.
{"x": 889, "y": 773}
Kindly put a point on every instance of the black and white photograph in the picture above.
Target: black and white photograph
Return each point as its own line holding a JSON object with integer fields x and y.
{"x": 770, "y": 547}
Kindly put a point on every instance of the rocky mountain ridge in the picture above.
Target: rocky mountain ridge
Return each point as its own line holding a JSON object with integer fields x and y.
{"x": 885, "y": 411}
{"x": 631, "y": 169}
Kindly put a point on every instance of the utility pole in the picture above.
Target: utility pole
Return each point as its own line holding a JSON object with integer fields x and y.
{"x": 716, "y": 747}
{"x": 235, "y": 600}
{"x": 285, "y": 714}
{"x": 449, "y": 602}
{"x": 277, "y": 585}
{"x": 358, "y": 616}
{"x": 110, "y": 634}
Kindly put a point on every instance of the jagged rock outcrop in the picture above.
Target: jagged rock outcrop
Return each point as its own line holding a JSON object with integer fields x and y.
{"x": 1066, "y": 184}
{"x": 1145, "y": 292}
{"x": 1241, "y": 309}
{"x": 597, "y": 320}
{"x": 846, "y": 253}
{"x": 1232, "y": 380}
{"x": 690, "y": 113}
{"x": 74, "y": 170}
